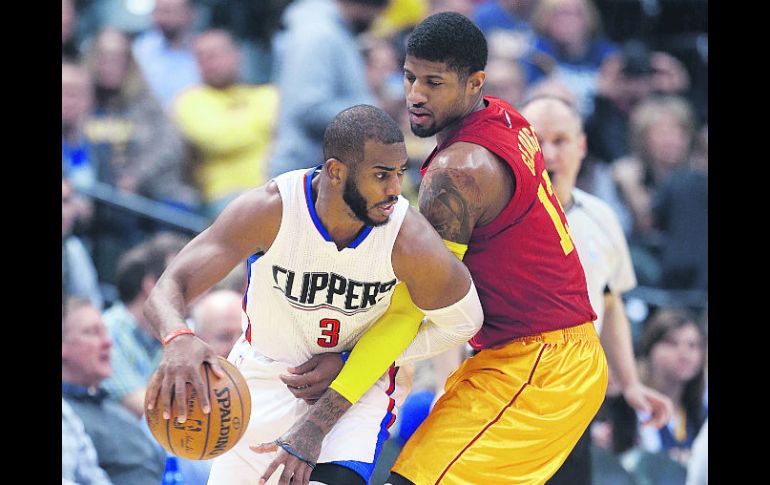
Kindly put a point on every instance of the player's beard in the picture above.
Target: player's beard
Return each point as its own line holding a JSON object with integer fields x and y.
{"x": 435, "y": 127}
{"x": 357, "y": 203}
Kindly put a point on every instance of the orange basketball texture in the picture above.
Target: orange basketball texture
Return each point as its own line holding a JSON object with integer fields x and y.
{"x": 205, "y": 436}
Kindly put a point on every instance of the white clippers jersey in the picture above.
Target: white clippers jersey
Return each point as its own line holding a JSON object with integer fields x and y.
{"x": 305, "y": 297}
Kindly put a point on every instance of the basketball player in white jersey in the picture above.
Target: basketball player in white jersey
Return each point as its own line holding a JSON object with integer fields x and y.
{"x": 326, "y": 247}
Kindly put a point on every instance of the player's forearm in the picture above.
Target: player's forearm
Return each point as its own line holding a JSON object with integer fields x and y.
{"x": 320, "y": 419}
{"x": 617, "y": 341}
{"x": 165, "y": 307}
{"x": 379, "y": 346}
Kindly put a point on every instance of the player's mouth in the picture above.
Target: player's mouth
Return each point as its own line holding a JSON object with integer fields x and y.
{"x": 386, "y": 209}
{"x": 419, "y": 116}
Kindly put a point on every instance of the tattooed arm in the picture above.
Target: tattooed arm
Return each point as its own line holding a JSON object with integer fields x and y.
{"x": 304, "y": 438}
{"x": 465, "y": 186}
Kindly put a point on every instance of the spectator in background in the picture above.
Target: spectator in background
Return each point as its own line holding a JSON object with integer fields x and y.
{"x": 146, "y": 152}
{"x": 136, "y": 352}
{"x": 672, "y": 351}
{"x": 124, "y": 451}
{"x": 384, "y": 74}
{"x": 506, "y": 25}
{"x": 70, "y": 44}
{"x": 320, "y": 72}
{"x": 569, "y": 46}
{"x": 79, "y": 462}
{"x": 79, "y": 278}
{"x": 698, "y": 467}
{"x": 625, "y": 80}
{"x": 217, "y": 319}
{"x": 505, "y": 79}
{"x": 80, "y": 162}
{"x": 680, "y": 212}
{"x": 661, "y": 136}
{"x": 253, "y": 25}
{"x": 164, "y": 52}
{"x": 227, "y": 125}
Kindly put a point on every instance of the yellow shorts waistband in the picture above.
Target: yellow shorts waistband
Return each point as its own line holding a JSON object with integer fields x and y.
{"x": 583, "y": 331}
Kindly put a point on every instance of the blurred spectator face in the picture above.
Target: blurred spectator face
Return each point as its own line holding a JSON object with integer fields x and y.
{"x": 76, "y": 94}
{"x": 68, "y": 208}
{"x": 505, "y": 80}
{"x": 668, "y": 143}
{"x": 218, "y": 320}
{"x": 217, "y": 58}
{"x": 679, "y": 355}
{"x": 561, "y": 138}
{"x": 381, "y": 62}
{"x": 85, "y": 348}
{"x": 567, "y": 21}
{"x": 67, "y": 20}
{"x": 112, "y": 51}
{"x": 361, "y": 15}
{"x": 172, "y": 17}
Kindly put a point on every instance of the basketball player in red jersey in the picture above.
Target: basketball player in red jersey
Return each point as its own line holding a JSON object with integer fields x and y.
{"x": 513, "y": 411}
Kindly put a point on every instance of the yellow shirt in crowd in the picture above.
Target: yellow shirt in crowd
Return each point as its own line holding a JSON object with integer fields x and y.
{"x": 232, "y": 130}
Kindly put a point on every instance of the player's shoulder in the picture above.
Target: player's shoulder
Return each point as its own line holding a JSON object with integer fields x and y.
{"x": 468, "y": 158}
{"x": 416, "y": 234}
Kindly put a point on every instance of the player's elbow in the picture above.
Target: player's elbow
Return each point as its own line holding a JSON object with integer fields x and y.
{"x": 461, "y": 320}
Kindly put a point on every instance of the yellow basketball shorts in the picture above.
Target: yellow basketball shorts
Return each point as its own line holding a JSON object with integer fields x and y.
{"x": 510, "y": 415}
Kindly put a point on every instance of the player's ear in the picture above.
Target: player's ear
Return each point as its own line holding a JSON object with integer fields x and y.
{"x": 475, "y": 82}
{"x": 336, "y": 171}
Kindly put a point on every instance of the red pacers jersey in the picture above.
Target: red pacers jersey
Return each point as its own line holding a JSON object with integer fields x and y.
{"x": 524, "y": 263}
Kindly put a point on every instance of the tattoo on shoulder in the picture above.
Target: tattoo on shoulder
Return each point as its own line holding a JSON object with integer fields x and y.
{"x": 447, "y": 199}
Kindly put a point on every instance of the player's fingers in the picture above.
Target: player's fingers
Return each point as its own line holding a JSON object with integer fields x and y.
{"x": 153, "y": 388}
{"x": 216, "y": 367}
{"x": 270, "y": 470}
{"x": 295, "y": 381}
{"x": 306, "y": 367}
{"x": 201, "y": 389}
{"x": 180, "y": 398}
{"x": 264, "y": 447}
{"x": 289, "y": 469}
{"x": 165, "y": 396}
{"x": 304, "y": 475}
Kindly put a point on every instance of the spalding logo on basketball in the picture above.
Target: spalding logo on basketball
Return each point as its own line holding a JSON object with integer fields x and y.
{"x": 205, "y": 436}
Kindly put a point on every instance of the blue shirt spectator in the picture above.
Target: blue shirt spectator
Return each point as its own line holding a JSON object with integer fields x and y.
{"x": 79, "y": 462}
{"x": 320, "y": 72}
{"x": 164, "y": 53}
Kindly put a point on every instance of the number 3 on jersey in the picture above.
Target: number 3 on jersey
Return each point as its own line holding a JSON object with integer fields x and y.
{"x": 330, "y": 332}
{"x": 563, "y": 230}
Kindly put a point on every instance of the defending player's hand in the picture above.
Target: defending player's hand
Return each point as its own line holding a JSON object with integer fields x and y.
{"x": 309, "y": 380}
{"x": 180, "y": 364}
{"x": 297, "y": 451}
{"x": 649, "y": 402}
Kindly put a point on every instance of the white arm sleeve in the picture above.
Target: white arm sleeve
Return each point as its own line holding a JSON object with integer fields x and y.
{"x": 444, "y": 328}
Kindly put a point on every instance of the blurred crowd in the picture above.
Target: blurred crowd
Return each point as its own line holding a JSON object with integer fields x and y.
{"x": 182, "y": 105}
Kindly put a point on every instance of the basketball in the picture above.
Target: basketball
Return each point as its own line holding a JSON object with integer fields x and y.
{"x": 205, "y": 436}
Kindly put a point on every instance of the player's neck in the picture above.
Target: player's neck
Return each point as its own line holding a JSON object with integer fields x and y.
{"x": 335, "y": 215}
{"x": 448, "y": 130}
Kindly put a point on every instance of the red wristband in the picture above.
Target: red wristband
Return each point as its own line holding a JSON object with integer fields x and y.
{"x": 176, "y": 333}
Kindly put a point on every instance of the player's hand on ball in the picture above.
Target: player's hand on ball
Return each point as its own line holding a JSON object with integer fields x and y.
{"x": 309, "y": 380}
{"x": 180, "y": 364}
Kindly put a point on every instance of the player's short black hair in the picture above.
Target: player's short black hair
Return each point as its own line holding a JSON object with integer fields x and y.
{"x": 346, "y": 135}
{"x": 451, "y": 38}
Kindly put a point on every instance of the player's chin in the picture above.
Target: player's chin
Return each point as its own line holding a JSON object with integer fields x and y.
{"x": 423, "y": 131}
{"x": 376, "y": 218}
